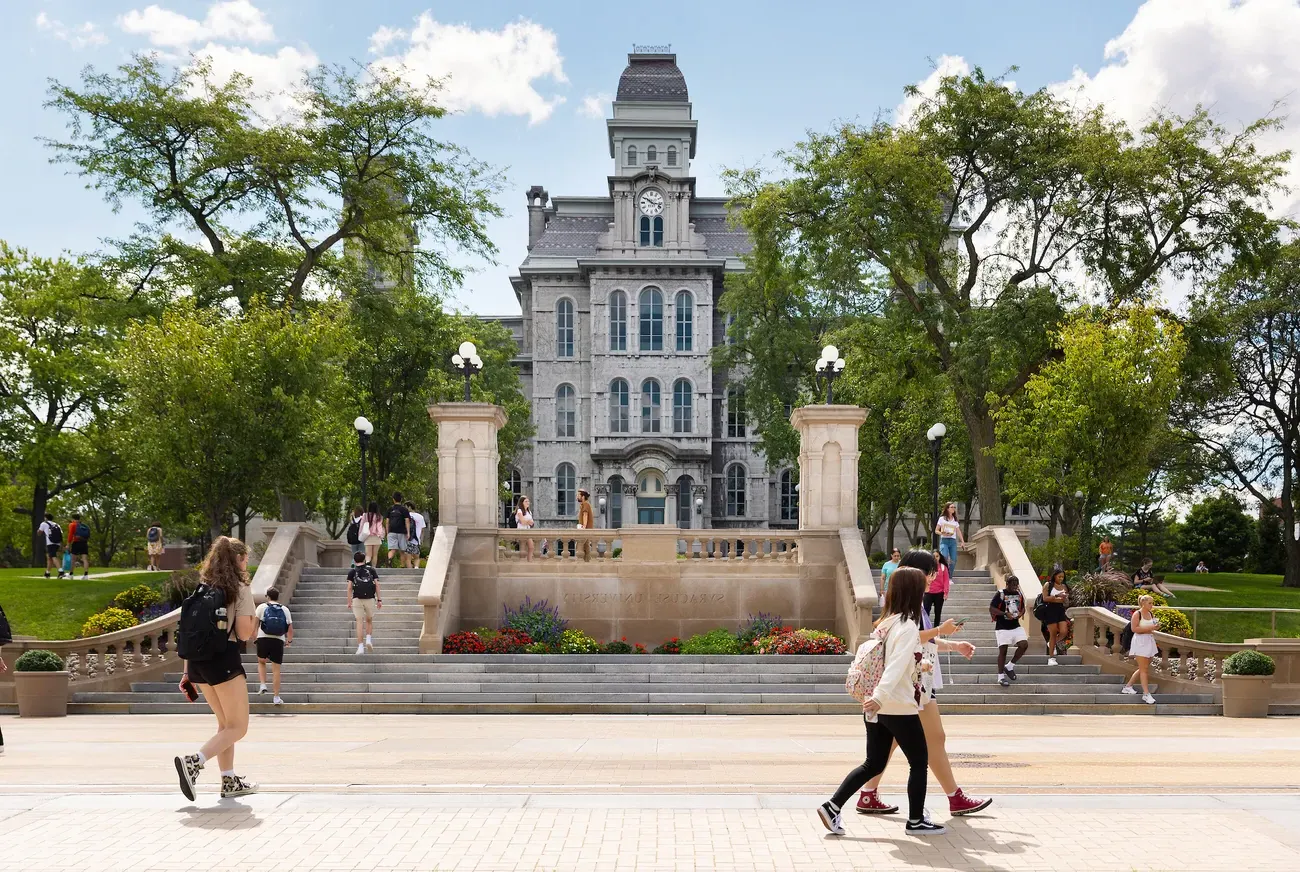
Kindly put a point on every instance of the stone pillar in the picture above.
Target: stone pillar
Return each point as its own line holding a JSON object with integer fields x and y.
{"x": 469, "y": 483}
{"x": 828, "y": 465}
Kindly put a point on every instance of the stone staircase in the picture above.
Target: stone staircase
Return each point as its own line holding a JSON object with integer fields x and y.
{"x": 323, "y": 674}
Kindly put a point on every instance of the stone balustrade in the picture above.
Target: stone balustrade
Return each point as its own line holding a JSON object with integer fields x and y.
{"x": 557, "y": 544}
{"x": 739, "y": 545}
{"x": 655, "y": 543}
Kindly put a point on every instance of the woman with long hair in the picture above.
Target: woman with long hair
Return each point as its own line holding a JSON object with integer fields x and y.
{"x": 524, "y": 521}
{"x": 937, "y": 589}
{"x": 1143, "y": 647}
{"x": 891, "y": 713}
{"x": 372, "y": 532}
{"x": 949, "y": 530}
{"x": 1056, "y": 599}
{"x": 222, "y": 680}
{"x": 936, "y": 740}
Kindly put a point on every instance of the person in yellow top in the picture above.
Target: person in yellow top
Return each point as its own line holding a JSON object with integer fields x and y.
{"x": 586, "y": 520}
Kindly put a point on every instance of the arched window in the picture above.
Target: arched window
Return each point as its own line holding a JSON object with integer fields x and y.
{"x": 736, "y": 423}
{"x": 672, "y": 155}
{"x": 685, "y": 306}
{"x": 736, "y": 491}
{"x": 566, "y": 412}
{"x": 618, "y": 321}
{"x": 659, "y": 233}
{"x": 682, "y": 416}
{"x": 651, "y": 155}
{"x": 564, "y": 329}
{"x": 631, "y": 155}
{"x": 651, "y": 408}
{"x": 516, "y": 482}
{"x": 618, "y": 406}
{"x": 789, "y": 497}
{"x": 566, "y": 497}
{"x": 652, "y": 320}
{"x": 616, "y": 501}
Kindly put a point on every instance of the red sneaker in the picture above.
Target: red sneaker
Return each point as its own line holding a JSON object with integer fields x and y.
{"x": 869, "y": 803}
{"x": 959, "y": 803}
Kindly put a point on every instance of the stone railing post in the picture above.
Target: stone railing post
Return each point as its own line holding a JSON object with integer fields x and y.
{"x": 828, "y": 465}
{"x": 469, "y": 484}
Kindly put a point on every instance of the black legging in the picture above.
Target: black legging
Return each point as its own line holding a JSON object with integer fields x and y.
{"x": 910, "y": 735}
{"x": 935, "y": 600}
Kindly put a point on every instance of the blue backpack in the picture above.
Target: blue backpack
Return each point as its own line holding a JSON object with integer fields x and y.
{"x": 274, "y": 622}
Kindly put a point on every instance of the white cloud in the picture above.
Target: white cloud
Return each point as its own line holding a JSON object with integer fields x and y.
{"x": 1237, "y": 57}
{"x": 385, "y": 36}
{"x": 947, "y": 65}
{"x": 229, "y": 20}
{"x": 489, "y": 71}
{"x": 275, "y": 76}
{"x": 593, "y": 105}
{"x": 86, "y": 35}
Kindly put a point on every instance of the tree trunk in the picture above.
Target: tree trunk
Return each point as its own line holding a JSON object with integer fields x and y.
{"x": 40, "y": 502}
{"x": 1053, "y": 517}
{"x": 893, "y": 522}
{"x": 988, "y": 479}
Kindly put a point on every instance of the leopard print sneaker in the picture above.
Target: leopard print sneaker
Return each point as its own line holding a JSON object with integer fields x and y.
{"x": 188, "y": 769}
{"x": 235, "y": 785}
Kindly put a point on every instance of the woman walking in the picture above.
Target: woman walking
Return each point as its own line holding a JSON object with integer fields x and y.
{"x": 222, "y": 679}
{"x": 1056, "y": 598}
{"x": 524, "y": 521}
{"x": 949, "y": 531}
{"x": 154, "y": 545}
{"x": 936, "y": 591}
{"x": 1143, "y": 647}
{"x": 891, "y": 713}
{"x": 372, "y": 532}
{"x": 936, "y": 740}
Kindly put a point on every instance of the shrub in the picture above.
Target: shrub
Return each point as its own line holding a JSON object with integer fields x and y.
{"x": 1242, "y": 663}
{"x": 155, "y": 612}
{"x": 463, "y": 643}
{"x": 577, "y": 642}
{"x": 878, "y": 558}
{"x": 640, "y": 649}
{"x": 1130, "y": 598}
{"x": 539, "y": 648}
{"x": 179, "y": 585}
{"x": 508, "y": 641}
{"x": 717, "y": 641}
{"x": 617, "y": 552}
{"x": 39, "y": 660}
{"x": 619, "y": 646}
{"x": 1094, "y": 588}
{"x": 756, "y": 628}
{"x": 801, "y": 642}
{"x": 1174, "y": 622}
{"x": 672, "y": 646}
{"x": 136, "y": 599}
{"x": 541, "y": 621}
{"x": 1062, "y": 549}
{"x": 485, "y": 633}
{"x": 110, "y": 620}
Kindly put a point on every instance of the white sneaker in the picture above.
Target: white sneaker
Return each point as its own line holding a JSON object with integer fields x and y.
{"x": 1051, "y": 661}
{"x": 1129, "y": 689}
{"x": 261, "y": 689}
{"x": 1148, "y": 699}
{"x": 361, "y": 649}
{"x": 278, "y": 701}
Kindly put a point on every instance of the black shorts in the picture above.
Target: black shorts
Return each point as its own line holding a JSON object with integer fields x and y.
{"x": 270, "y": 648}
{"x": 219, "y": 669}
{"x": 51, "y": 550}
{"x": 79, "y": 548}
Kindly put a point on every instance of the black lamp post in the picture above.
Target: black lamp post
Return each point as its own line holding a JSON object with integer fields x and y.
{"x": 364, "y": 430}
{"x": 468, "y": 362}
{"x": 935, "y": 434}
{"x": 828, "y": 367}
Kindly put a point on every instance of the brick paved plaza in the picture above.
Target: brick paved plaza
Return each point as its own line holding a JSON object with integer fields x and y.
{"x": 558, "y": 793}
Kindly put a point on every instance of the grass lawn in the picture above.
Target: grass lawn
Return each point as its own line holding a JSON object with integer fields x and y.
{"x": 1239, "y": 590}
{"x": 51, "y": 609}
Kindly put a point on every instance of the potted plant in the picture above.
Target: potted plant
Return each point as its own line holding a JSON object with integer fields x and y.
{"x": 41, "y": 685}
{"x": 1247, "y": 684}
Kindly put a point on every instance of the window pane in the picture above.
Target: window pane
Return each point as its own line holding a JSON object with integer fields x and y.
{"x": 651, "y": 153}
{"x": 685, "y": 321}
{"x": 618, "y": 406}
{"x": 566, "y": 412}
{"x": 672, "y": 156}
{"x": 565, "y": 490}
{"x": 631, "y": 155}
{"x": 616, "y": 501}
{"x": 682, "y": 407}
{"x": 618, "y": 321}
{"x": 659, "y": 233}
{"x": 652, "y": 320}
{"x": 564, "y": 329}
{"x": 736, "y": 424}
{"x": 736, "y": 491}
{"x": 651, "y": 408}
{"x": 789, "y": 497}
{"x": 645, "y": 230}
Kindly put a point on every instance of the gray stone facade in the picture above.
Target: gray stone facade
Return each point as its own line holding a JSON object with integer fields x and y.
{"x": 618, "y": 322}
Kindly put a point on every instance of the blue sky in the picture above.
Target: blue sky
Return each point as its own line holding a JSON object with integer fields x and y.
{"x": 527, "y": 75}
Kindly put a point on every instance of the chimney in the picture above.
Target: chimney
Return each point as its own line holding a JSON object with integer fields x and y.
{"x": 537, "y": 200}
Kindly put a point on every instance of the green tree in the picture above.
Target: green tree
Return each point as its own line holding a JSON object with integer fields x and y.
{"x": 224, "y": 413}
{"x": 1092, "y": 420}
{"x": 60, "y": 325}
{"x": 243, "y": 206}
{"x": 1217, "y": 531}
{"x": 1269, "y": 554}
{"x": 1062, "y": 193}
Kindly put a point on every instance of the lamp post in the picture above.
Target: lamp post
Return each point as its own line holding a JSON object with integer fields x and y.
{"x": 828, "y": 367}
{"x": 935, "y": 434}
{"x": 467, "y": 362}
{"x": 364, "y": 430}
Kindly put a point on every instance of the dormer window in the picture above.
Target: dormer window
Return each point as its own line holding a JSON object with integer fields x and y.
{"x": 631, "y": 155}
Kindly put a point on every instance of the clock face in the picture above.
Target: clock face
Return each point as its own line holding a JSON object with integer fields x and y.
{"x": 652, "y": 202}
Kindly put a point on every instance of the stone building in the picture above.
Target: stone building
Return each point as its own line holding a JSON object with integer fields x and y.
{"x": 618, "y": 297}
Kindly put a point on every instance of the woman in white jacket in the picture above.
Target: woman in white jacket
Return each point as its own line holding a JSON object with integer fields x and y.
{"x": 892, "y": 712}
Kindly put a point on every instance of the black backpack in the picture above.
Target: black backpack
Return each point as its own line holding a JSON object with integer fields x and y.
{"x": 363, "y": 583}
{"x": 354, "y": 532}
{"x": 56, "y": 534}
{"x": 1040, "y": 608}
{"x": 1126, "y": 637}
{"x": 204, "y": 627}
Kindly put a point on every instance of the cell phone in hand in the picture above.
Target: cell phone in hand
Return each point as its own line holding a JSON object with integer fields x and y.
{"x": 961, "y": 622}
{"x": 190, "y": 691}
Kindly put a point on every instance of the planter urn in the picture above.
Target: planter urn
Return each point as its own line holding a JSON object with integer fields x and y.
{"x": 42, "y": 694}
{"x": 1246, "y": 696}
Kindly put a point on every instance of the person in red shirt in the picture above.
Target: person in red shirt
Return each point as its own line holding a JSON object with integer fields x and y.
{"x": 937, "y": 592}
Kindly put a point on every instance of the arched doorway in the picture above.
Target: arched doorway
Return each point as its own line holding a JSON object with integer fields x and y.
{"x": 651, "y": 497}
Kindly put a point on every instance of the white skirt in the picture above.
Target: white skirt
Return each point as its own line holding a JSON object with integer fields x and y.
{"x": 1144, "y": 645}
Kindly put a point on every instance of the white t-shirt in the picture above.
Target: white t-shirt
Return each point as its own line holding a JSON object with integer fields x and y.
{"x": 419, "y": 524}
{"x": 261, "y": 610}
{"x": 947, "y": 528}
{"x": 45, "y": 528}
